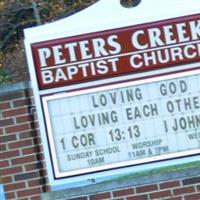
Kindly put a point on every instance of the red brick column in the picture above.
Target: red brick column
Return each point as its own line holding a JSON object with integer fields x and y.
{"x": 22, "y": 166}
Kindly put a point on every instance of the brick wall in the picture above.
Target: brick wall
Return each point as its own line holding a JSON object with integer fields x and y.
{"x": 22, "y": 166}
{"x": 186, "y": 189}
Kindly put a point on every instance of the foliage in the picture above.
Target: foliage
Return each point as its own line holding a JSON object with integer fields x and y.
{"x": 4, "y": 77}
{"x": 19, "y": 14}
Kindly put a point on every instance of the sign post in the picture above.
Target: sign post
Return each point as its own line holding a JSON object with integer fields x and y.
{"x": 114, "y": 98}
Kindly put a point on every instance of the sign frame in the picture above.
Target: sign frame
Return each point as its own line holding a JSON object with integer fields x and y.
{"x": 123, "y": 164}
{"x": 91, "y": 21}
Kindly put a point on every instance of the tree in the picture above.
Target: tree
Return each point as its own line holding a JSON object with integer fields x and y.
{"x": 20, "y": 14}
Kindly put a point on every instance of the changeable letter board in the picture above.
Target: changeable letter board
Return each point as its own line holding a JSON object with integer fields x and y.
{"x": 123, "y": 125}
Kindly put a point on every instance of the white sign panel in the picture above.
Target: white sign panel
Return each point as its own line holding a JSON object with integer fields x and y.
{"x": 117, "y": 92}
{"x": 122, "y": 125}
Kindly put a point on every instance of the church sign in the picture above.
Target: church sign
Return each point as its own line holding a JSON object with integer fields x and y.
{"x": 118, "y": 97}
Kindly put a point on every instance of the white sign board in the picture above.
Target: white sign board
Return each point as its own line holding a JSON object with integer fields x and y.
{"x": 119, "y": 93}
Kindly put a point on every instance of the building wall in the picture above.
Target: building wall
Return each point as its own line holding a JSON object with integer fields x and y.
{"x": 22, "y": 165}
